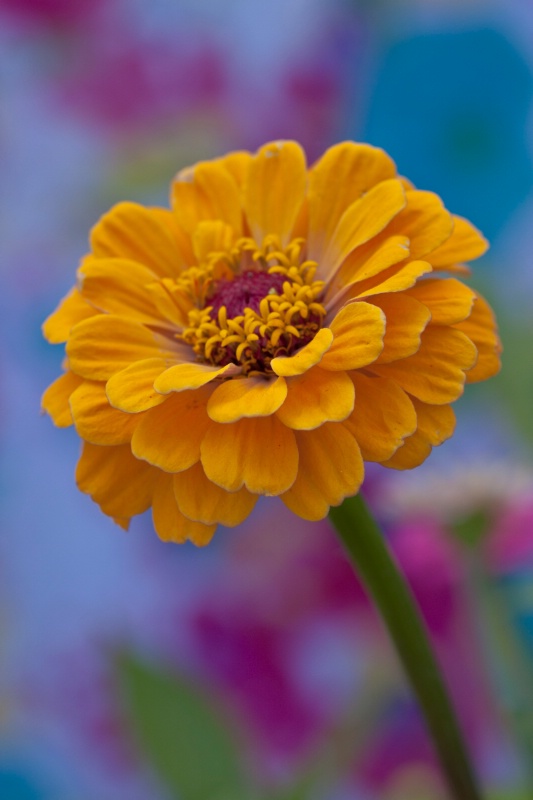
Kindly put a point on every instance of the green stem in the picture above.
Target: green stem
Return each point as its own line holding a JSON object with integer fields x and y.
{"x": 377, "y": 568}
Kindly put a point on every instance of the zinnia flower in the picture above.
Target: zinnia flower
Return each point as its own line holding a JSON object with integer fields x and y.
{"x": 274, "y": 329}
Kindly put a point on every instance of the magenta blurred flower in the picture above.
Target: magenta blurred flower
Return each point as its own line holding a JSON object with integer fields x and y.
{"x": 51, "y": 13}
{"x": 117, "y": 83}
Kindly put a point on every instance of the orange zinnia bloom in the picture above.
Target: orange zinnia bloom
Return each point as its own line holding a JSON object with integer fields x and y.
{"x": 274, "y": 329}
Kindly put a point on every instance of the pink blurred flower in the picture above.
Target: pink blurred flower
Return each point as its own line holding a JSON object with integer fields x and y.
{"x": 509, "y": 544}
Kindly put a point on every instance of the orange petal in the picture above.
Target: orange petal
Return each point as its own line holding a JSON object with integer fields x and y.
{"x": 169, "y": 523}
{"x": 120, "y": 484}
{"x": 118, "y": 286}
{"x": 258, "y": 453}
{"x": 103, "y": 345}
{"x": 465, "y": 244}
{"x": 448, "y": 300}
{"x": 132, "y": 389}
{"x": 203, "y": 501}
{"x": 436, "y": 373}
{"x": 425, "y": 221}
{"x": 341, "y": 176}
{"x": 181, "y": 377}
{"x": 331, "y": 468}
{"x": 206, "y": 191}
{"x": 480, "y": 327}
{"x": 71, "y": 310}
{"x": 246, "y": 397}
{"x": 435, "y": 424}
{"x": 95, "y": 420}
{"x": 316, "y": 397}
{"x": 310, "y": 355}
{"x": 361, "y": 221}
{"x": 55, "y": 399}
{"x": 406, "y": 319}
{"x": 383, "y": 416}
{"x": 358, "y": 331}
{"x": 275, "y": 189}
{"x": 136, "y": 233}
{"x": 169, "y": 435}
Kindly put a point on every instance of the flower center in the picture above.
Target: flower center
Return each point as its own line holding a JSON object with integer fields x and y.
{"x": 253, "y": 304}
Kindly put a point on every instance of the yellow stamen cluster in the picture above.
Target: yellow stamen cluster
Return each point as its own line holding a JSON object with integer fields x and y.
{"x": 285, "y": 318}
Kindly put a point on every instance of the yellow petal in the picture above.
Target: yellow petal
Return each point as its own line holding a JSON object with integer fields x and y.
{"x": 435, "y": 424}
{"x": 211, "y": 237}
{"x": 103, "y": 345}
{"x": 181, "y": 239}
{"x": 465, "y": 244}
{"x": 275, "y": 189}
{"x": 406, "y": 319}
{"x": 132, "y": 389}
{"x": 368, "y": 261}
{"x": 201, "y": 500}
{"x": 206, "y": 191}
{"x": 169, "y": 523}
{"x": 340, "y": 177}
{"x": 246, "y": 397}
{"x": 361, "y": 221}
{"x": 448, "y": 300}
{"x": 118, "y": 286}
{"x": 237, "y": 164}
{"x": 425, "y": 221}
{"x": 120, "y": 484}
{"x": 137, "y": 233}
{"x": 383, "y": 416}
{"x": 181, "y": 377}
{"x": 331, "y": 468}
{"x": 56, "y": 397}
{"x": 316, "y": 397}
{"x": 310, "y": 355}
{"x": 71, "y": 310}
{"x": 396, "y": 279}
{"x": 258, "y": 453}
{"x": 480, "y": 327}
{"x": 358, "y": 331}
{"x": 436, "y": 373}
{"x": 169, "y": 435}
{"x": 95, "y": 420}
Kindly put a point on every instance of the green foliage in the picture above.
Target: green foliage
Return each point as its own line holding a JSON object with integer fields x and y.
{"x": 181, "y": 733}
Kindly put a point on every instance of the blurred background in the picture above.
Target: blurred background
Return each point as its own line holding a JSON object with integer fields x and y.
{"x": 131, "y": 669}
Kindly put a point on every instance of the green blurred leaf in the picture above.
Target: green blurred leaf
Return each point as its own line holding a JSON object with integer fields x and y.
{"x": 181, "y": 732}
{"x": 509, "y": 794}
{"x": 471, "y": 530}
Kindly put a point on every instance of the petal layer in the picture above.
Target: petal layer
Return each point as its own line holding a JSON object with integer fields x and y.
{"x": 169, "y": 522}
{"x": 480, "y": 327}
{"x": 258, "y": 453}
{"x": 383, "y": 416}
{"x": 201, "y": 500}
{"x": 206, "y": 191}
{"x": 436, "y": 373}
{"x": 275, "y": 189}
{"x": 246, "y": 397}
{"x": 358, "y": 331}
{"x": 103, "y": 345}
{"x": 120, "y": 484}
{"x": 169, "y": 435}
{"x": 71, "y": 310}
{"x": 310, "y": 355}
{"x": 55, "y": 399}
{"x": 331, "y": 468}
{"x": 137, "y": 233}
{"x": 340, "y": 177}
{"x": 132, "y": 389}
{"x": 316, "y": 397}
{"x": 95, "y": 420}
